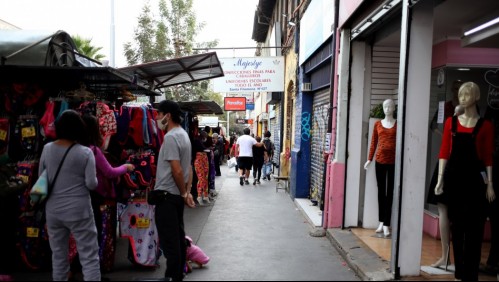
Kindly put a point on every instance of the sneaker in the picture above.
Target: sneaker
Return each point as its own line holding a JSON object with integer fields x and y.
{"x": 258, "y": 182}
{"x": 213, "y": 193}
{"x": 206, "y": 200}
{"x": 246, "y": 182}
{"x": 254, "y": 182}
{"x": 268, "y": 177}
{"x": 241, "y": 181}
{"x": 199, "y": 201}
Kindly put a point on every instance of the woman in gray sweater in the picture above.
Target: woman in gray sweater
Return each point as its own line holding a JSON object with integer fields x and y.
{"x": 69, "y": 209}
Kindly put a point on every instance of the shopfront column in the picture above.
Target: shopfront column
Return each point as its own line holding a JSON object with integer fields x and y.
{"x": 358, "y": 124}
{"x": 412, "y": 135}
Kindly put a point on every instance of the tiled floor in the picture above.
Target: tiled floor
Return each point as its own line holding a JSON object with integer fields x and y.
{"x": 430, "y": 253}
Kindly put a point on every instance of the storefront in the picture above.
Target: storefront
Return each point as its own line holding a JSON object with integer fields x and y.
{"x": 313, "y": 102}
{"x": 404, "y": 51}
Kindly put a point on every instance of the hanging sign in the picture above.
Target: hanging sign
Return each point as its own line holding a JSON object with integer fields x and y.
{"x": 235, "y": 104}
{"x": 256, "y": 74}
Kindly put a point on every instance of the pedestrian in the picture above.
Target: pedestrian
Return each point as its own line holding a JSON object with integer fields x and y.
{"x": 244, "y": 149}
{"x": 269, "y": 155}
{"x": 258, "y": 158}
{"x": 217, "y": 152}
{"x": 69, "y": 208}
{"x": 174, "y": 179}
{"x": 104, "y": 197}
{"x": 201, "y": 166}
{"x": 233, "y": 152}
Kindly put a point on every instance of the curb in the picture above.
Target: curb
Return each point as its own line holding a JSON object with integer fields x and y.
{"x": 359, "y": 257}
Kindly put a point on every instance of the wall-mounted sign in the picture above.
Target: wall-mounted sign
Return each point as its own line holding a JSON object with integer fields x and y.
{"x": 235, "y": 104}
{"x": 316, "y": 26}
{"x": 250, "y": 106}
{"x": 241, "y": 121}
{"x": 256, "y": 74}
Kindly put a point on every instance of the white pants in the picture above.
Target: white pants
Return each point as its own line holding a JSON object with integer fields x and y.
{"x": 85, "y": 234}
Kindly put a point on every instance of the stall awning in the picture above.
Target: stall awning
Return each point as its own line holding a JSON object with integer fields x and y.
{"x": 202, "y": 107}
{"x": 177, "y": 71}
{"x": 95, "y": 79}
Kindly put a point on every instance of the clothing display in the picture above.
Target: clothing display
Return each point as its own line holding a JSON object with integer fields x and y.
{"x": 465, "y": 189}
{"x": 28, "y": 115}
{"x": 383, "y": 143}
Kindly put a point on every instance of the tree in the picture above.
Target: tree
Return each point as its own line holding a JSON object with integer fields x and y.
{"x": 84, "y": 47}
{"x": 171, "y": 34}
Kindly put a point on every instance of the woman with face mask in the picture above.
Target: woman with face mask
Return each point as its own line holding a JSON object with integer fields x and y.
{"x": 201, "y": 165}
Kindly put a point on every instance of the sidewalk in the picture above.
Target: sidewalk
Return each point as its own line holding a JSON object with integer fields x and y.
{"x": 250, "y": 233}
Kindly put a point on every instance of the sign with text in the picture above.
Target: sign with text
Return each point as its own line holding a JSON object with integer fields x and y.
{"x": 241, "y": 121}
{"x": 235, "y": 104}
{"x": 256, "y": 74}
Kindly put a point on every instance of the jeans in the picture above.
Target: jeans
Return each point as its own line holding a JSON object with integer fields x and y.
{"x": 170, "y": 224}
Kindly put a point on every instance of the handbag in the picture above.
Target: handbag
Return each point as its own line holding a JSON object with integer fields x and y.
{"x": 41, "y": 189}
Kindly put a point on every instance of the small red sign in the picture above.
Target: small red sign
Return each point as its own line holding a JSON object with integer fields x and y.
{"x": 235, "y": 103}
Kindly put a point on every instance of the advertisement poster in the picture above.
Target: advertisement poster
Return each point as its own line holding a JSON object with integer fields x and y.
{"x": 256, "y": 74}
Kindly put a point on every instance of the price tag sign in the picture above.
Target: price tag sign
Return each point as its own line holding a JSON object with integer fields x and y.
{"x": 29, "y": 132}
{"x": 3, "y": 135}
{"x": 32, "y": 232}
{"x": 143, "y": 223}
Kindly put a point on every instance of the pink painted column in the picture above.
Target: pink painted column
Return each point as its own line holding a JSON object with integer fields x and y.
{"x": 335, "y": 177}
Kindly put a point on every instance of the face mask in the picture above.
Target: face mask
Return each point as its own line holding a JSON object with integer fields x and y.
{"x": 162, "y": 123}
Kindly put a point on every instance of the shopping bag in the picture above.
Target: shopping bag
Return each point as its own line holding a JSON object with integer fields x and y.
{"x": 39, "y": 191}
{"x": 232, "y": 162}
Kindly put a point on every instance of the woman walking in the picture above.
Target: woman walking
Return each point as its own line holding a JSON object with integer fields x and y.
{"x": 258, "y": 160}
{"x": 201, "y": 165}
{"x": 69, "y": 208}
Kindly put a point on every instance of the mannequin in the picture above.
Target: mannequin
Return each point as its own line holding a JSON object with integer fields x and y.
{"x": 465, "y": 178}
{"x": 452, "y": 108}
{"x": 383, "y": 142}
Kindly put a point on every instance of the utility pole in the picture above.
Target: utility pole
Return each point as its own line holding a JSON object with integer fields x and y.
{"x": 112, "y": 43}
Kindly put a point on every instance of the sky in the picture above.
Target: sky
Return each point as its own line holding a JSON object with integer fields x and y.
{"x": 229, "y": 21}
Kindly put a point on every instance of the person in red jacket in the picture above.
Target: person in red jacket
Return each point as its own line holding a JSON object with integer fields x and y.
{"x": 465, "y": 179}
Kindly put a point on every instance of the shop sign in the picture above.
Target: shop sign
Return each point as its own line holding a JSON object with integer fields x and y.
{"x": 241, "y": 121}
{"x": 254, "y": 74}
{"x": 316, "y": 26}
{"x": 250, "y": 106}
{"x": 235, "y": 104}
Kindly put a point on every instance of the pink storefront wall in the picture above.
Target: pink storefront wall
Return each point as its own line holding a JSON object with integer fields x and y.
{"x": 450, "y": 52}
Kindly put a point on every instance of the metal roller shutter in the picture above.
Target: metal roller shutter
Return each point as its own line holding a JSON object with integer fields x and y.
{"x": 320, "y": 121}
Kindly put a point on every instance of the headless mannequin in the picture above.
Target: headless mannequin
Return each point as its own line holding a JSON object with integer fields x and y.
{"x": 388, "y": 122}
{"x": 468, "y": 117}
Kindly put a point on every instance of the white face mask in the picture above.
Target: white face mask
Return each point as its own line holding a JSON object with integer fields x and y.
{"x": 162, "y": 123}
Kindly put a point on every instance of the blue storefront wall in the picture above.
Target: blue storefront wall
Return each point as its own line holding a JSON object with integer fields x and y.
{"x": 316, "y": 70}
{"x": 301, "y": 153}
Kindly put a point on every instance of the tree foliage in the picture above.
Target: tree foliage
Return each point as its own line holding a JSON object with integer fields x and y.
{"x": 85, "y": 47}
{"x": 170, "y": 34}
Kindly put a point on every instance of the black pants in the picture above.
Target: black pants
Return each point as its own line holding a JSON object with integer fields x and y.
{"x": 493, "y": 214}
{"x": 257, "y": 169}
{"x": 217, "y": 166}
{"x": 194, "y": 189}
{"x": 170, "y": 224}
{"x": 385, "y": 176}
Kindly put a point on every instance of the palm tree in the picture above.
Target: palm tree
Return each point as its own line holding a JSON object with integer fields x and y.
{"x": 84, "y": 47}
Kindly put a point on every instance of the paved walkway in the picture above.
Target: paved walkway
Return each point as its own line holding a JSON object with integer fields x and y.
{"x": 250, "y": 233}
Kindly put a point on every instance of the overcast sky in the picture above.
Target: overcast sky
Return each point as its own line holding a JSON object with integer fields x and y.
{"x": 230, "y": 21}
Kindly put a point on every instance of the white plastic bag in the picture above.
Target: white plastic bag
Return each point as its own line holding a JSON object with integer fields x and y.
{"x": 232, "y": 162}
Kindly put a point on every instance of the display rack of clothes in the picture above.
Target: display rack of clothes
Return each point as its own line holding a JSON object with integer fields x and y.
{"x": 27, "y": 122}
